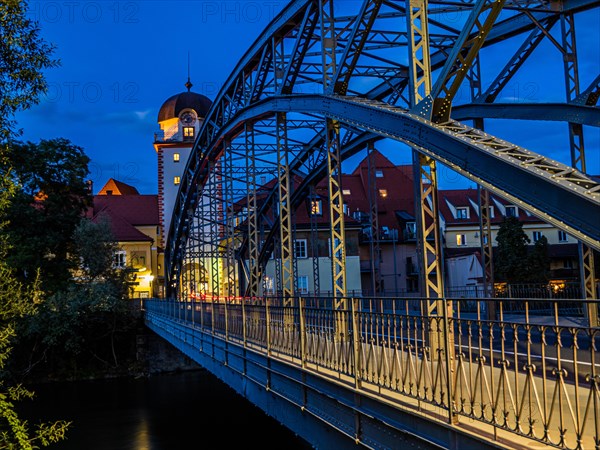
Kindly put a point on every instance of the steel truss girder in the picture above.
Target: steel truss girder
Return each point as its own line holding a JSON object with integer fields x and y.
{"x": 418, "y": 50}
{"x": 570, "y": 199}
{"x": 285, "y": 213}
{"x": 485, "y": 231}
{"x": 336, "y": 215}
{"x": 425, "y": 179}
{"x": 461, "y": 57}
{"x": 374, "y": 248}
{"x": 254, "y": 269}
{"x": 328, "y": 42}
{"x": 559, "y": 112}
{"x": 514, "y": 64}
{"x": 293, "y": 13}
{"x": 356, "y": 41}
{"x": 590, "y": 96}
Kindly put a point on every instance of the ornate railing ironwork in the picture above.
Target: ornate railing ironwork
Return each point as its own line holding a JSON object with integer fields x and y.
{"x": 526, "y": 368}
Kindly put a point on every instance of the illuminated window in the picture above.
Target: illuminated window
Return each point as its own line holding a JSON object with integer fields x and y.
{"x": 383, "y": 193}
{"x": 176, "y": 180}
{"x": 511, "y": 211}
{"x": 302, "y": 285}
{"x": 316, "y": 207}
{"x": 188, "y": 132}
{"x": 537, "y": 235}
{"x": 346, "y": 209}
{"x": 300, "y": 248}
{"x": 562, "y": 236}
{"x": 120, "y": 259}
{"x": 175, "y": 157}
{"x": 462, "y": 213}
{"x": 461, "y": 240}
{"x": 346, "y": 191}
{"x": 379, "y": 173}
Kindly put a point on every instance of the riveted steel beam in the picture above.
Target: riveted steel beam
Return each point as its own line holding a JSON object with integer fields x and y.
{"x": 477, "y": 27}
{"x": 558, "y": 112}
{"x": 285, "y": 218}
{"x": 253, "y": 241}
{"x": 516, "y": 62}
{"x": 374, "y": 247}
{"x": 418, "y": 51}
{"x": 336, "y": 215}
{"x": 328, "y": 42}
{"x": 356, "y": 41}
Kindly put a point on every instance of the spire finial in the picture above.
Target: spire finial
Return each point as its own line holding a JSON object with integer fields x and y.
{"x": 188, "y": 84}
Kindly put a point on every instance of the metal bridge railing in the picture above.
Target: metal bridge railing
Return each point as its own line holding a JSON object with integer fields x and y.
{"x": 526, "y": 366}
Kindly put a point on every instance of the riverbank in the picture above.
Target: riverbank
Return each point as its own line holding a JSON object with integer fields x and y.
{"x": 147, "y": 355}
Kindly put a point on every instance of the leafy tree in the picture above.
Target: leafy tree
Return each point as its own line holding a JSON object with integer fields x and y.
{"x": 51, "y": 198}
{"x": 511, "y": 263}
{"x": 17, "y": 302}
{"x": 23, "y": 57}
{"x": 539, "y": 262}
{"x": 80, "y": 327}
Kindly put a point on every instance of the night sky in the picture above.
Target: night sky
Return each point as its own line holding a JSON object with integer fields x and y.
{"x": 120, "y": 60}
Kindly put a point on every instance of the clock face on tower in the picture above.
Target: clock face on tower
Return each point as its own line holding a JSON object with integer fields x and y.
{"x": 187, "y": 118}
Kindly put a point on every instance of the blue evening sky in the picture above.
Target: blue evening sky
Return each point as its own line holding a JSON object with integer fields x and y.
{"x": 122, "y": 59}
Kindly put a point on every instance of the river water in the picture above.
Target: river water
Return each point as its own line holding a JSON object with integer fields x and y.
{"x": 189, "y": 410}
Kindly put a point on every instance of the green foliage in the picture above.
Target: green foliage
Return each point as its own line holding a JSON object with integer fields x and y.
{"x": 515, "y": 261}
{"x": 87, "y": 325}
{"x": 511, "y": 261}
{"x": 539, "y": 262}
{"x": 23, "y": 55}
{"x": 17, "y": 302}
{"x": 95, "y": 246}
{"x": 50, "y": 199}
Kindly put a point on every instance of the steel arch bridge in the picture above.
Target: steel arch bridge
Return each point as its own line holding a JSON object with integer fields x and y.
{"x": 327, "y": 79}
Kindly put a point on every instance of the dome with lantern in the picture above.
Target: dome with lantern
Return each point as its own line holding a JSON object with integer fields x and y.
{"x": 175, "y": 105}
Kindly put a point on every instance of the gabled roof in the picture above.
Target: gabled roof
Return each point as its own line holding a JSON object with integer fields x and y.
{"x": 122, "y": 230}
{"x": 451, "y": 199}
{"x": 115, "y": 187}
{"x": 135, "y": 209}
{"x": 395, "y": 182}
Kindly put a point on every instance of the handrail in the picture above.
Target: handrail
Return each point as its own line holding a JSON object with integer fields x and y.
{"x": 531, "y": 370}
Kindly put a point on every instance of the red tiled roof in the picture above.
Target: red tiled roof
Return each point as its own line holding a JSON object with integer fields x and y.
{"x": 122, "y": 230}
{"x": 125, "y": 213}
{"x": 115, "y": 187}
{"x": 396, "y": 181}
{"x": 135, "y": 209}
{"x": 468, "y": 198}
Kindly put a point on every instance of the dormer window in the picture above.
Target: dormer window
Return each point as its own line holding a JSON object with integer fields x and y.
{"x": 462, "y": 213}
{"x": 316, "y": 207}
{"x": 176, "y": 157}
{"x": 511, "y": 211}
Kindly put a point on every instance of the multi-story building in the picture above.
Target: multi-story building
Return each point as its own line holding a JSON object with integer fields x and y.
{"x": 180, "y": 118}
{"x": 133, "y": 219}
{"x": 462, "y": 237}
{"x": 380, "y": 196}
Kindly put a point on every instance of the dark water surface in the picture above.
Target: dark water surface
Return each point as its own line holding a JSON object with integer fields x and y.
{"x": 191, "y": 410}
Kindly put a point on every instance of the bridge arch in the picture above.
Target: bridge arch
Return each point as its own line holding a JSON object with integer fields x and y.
{"x": 263, "y": 123}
